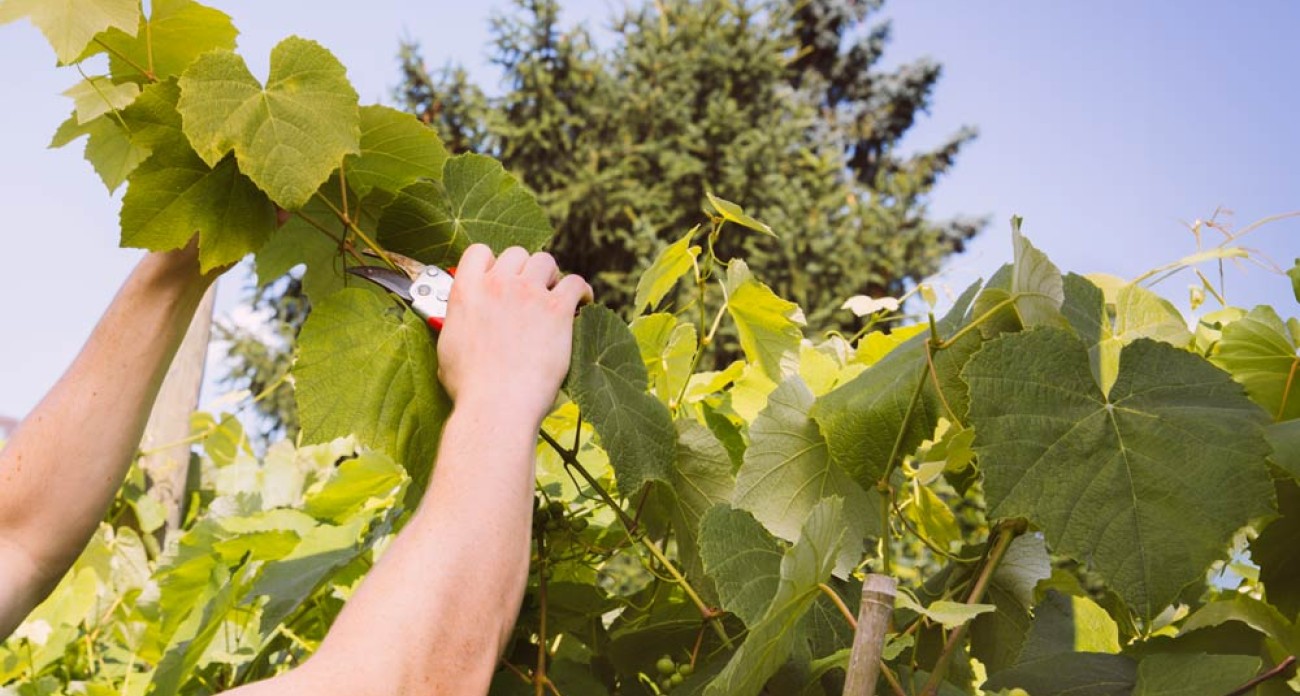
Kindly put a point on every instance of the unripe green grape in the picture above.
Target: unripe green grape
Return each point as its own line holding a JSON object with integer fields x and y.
{"x": 685, "y": 669}
{"x": 666, "y": 666}
{"x": 676, "y": 679}
{"x": 666, "y": 684}
{"x": 578, "y": 524}
{"x": 556, "y": 508}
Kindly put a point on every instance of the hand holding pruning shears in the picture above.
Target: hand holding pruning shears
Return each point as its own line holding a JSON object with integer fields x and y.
{"x": 506, "y": 323}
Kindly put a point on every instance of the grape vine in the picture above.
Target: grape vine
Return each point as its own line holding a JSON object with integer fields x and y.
{"x": 1077, "y": 492}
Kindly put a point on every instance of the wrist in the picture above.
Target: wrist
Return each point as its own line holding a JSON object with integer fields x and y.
{"x": 513, "y": 410}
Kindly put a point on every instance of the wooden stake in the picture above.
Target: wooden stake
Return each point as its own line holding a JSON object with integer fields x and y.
{"x": 170, "y": 419}
{"x": 877, "y": 608}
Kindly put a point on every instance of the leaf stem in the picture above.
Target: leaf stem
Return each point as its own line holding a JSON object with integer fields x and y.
{"x": 539, "y": 675}
{"x": 839, "y": 604}
{"x": 1006, "y": 533}
{"x": 708, "y": 613}
{"x": 883, "y": 484}
{"x": 1250, "y": 685}
{"x": 139, "y": 68}
{"x": 342, "y": 216}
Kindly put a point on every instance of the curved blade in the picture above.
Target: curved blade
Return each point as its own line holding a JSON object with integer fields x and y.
{"x": 393, "y": 281}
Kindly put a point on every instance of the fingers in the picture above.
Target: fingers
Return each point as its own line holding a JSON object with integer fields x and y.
{"x": 573, "y": 291}
{"x": 540, "y": 268}
{"x": 511, "y": 261}
{"x": 476, "y": 261}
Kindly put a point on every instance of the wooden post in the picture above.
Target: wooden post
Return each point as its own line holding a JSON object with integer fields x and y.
{"x": 877, "y": 608}
{"x": 170, "y": 419}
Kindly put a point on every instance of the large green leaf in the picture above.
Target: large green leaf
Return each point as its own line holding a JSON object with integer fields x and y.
{"x": 787, "y": 471}
{"x": 367, "y": 367}
{"x": 772, "y": 639}
{"x": 71, "y": 24}
{"x": 669, "y": 266}
{"x": 476, "y": 201}
{"x": 743, "y": 560}
{"x": 701, "y": 479}
{"x": 1252, "y": 612}
{"x": 1260, "y": 350}
{"x": 1275, "y": 552}
{"x": 1147, "y": 483}
{"x": 768, "y": 326}
{"x": 174, "y": 194}
{"x": 288, "y": 137}
{"x": 608, "y": 380}
{"x": 396, "y": 151}
{"x": 1027, "y": 292}
{"x": 175, "y": 34}
{"x": 1193, "y": 675}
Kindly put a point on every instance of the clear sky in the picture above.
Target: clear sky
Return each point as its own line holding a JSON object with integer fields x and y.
{"x": 1108, "y": 125}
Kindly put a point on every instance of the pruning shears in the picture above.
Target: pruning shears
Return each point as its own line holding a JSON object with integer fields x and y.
{"x": 424, "y": 288}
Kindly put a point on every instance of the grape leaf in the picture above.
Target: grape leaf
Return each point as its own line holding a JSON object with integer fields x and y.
{"x": 669, "y": 266}
{"x": 175, "y": 34}
{"x": 95, "y": 96}
{"x": 288, "y": 137}
{"x": 701, "y": 479}
{"x": 71, "y": 24}
{"x": 173, "y": 194}
{"x": 354, "y": 483}
{"x": 1029, "y": 290}
{"x": 1147, "y": 483}
{"x": 787, "y": 472}
{"x": 608, "y": 380}
{"x": 768, "y": 326}
{"x": 1066, "y": 652}
{"x": 396, "y": 151}
{"x": 667, "y": 348}
{"x": 110, "y": 150}
{"x": 1070, "y": 674}
{"x": 1260, "y": 352}
{"x": 771, "y": 639}
{"x": 367, "y": 367}
{"x": 743, "y": 560}
{"x": 1193, "y": 675}
{"x": 734, "y": 213}
{"x": 1258, "y": 615}
{"x": 476, "y": 201}
{"x": 1294, "y": 274}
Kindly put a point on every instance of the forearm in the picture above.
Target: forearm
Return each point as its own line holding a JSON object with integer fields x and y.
{"x": 61, "y": 469}
{"x": 433, "y": 615}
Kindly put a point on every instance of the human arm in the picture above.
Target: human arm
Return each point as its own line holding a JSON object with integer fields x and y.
{"x": 434, "y": 614}
{"x": 64, "y": 464}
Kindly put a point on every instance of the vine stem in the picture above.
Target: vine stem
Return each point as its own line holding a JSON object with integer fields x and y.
{"x": 1006, "y": 533}
{"x": 343, "y": 217}
{"x": 539, "y": 675}
{"x": 886, "y": 491}
{"x": 709, "y": 614}
{"x": 1246, "y": 688}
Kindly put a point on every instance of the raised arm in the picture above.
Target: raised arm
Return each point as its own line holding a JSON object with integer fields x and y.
{"x": 61, "y": 469}
{"x": 434, "y": 614}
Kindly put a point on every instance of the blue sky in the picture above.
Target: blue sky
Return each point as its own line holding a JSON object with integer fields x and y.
{"x": 1108, "y": 125}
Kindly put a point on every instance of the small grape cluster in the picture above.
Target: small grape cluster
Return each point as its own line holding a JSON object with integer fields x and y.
{"x": 672, "y": 674}
{"x": 553, "y": 517}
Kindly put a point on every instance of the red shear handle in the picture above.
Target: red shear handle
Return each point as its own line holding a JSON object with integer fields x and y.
{"x": 436, "y": 323}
